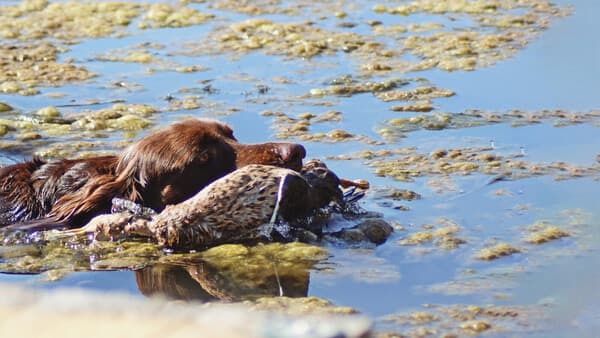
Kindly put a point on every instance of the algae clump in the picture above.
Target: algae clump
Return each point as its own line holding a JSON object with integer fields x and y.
{"x": 546, "y": 234}
{"x": 497, "y": 251}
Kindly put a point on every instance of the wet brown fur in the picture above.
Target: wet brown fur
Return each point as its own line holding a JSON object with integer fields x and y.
{"x": 234, "y": 208}
{"x": 163, "y": 168}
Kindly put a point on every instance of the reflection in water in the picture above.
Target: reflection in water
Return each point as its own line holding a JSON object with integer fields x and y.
{"x": 205, "y": 282}
{"x": 233, "y": 272}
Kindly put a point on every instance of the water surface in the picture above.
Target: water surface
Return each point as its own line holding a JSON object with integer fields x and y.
{"x": 558, "y": 69}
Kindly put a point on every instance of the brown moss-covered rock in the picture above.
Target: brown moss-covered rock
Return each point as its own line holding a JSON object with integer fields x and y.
{"x": 372, "y": 230}
{"x": 376, "y": 230}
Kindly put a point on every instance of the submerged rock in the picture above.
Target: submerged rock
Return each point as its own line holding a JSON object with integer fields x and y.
{"x": 376, "y": 230}
{"x": 372, "y": 230}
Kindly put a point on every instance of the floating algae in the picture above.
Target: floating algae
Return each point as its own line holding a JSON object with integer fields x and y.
{"x": 460, "y": 319}
{"x": 405, "y": 164}
{"x": 79, "y": 255}
{"x": 299, "y": 127}
{"x": 24, "y": 67}
{"x": 40, "y": 127}
{"x": 350, "y": 87}
{"x": 154, "y": 55}
{"x": 161, "y": 15}
{"x": 302, "y": 40}
{"x": 546, "y": 234}
{"x": 492, "y": 32}
{"x": 469, "y": 46}
{"x": 443, "y": 234}
{"x": 242, "y": 272}
{"x": 419, "y": 106}
{"x": 69, "y": 21}
{"x": 490, "y": 35}
{"x": 37, "y": 19}
{"x": 300, "y": 306}
{"x": 143, "y": 56}
{"x": 262, "y": 7}
{"x": 497, "y": 251}
{"x": 476, "y": 118}
{"x": 417, "y": 94}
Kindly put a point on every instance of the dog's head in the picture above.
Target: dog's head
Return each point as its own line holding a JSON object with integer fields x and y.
{"x": 171, "y": 165}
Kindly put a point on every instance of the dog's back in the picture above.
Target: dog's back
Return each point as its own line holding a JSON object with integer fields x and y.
{"x": 29, "y": 190}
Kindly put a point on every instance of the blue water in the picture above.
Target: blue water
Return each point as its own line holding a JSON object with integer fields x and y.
{"x": 560, "y": 69}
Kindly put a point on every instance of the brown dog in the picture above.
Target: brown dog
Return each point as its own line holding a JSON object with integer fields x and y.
{"x": 163, "y": 168}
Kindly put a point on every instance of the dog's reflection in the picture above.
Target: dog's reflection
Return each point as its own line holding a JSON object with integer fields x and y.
{"x": 269, "y": 270}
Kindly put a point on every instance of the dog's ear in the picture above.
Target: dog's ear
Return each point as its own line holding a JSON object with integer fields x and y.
{"x": 173, "y": 164}
{"x": 94, "y": 197}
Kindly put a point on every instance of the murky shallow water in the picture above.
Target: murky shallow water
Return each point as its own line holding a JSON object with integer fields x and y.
{"x": 559, "y": 69}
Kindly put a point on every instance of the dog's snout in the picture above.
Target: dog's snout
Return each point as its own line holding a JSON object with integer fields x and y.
{"x": 282, "y": 154}
{"x": 291, "y": 152}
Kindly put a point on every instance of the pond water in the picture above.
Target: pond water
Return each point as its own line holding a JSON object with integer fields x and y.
{"x": 543, "y": 289}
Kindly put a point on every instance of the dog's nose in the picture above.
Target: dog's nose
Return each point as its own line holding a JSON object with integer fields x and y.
{"x": 291, "y": 152}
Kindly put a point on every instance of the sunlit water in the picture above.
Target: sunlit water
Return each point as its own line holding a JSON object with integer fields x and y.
{"x": 559, "y": 69}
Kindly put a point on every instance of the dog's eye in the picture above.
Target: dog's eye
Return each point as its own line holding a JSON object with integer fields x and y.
{"x": 203, "y": 156}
